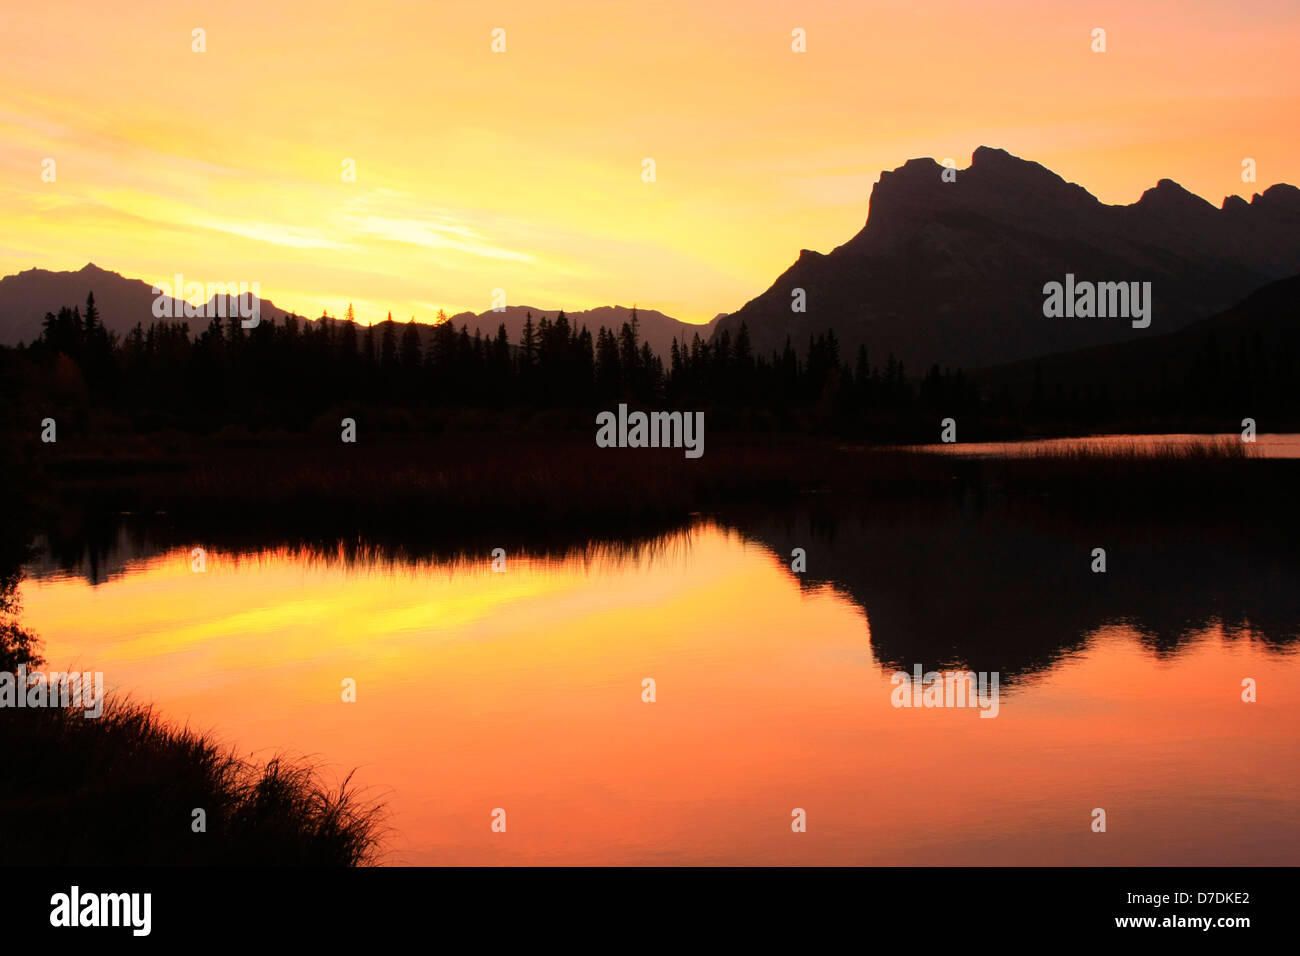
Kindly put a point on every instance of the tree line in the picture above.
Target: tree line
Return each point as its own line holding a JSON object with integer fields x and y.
{"x": 283, "y": 374}
{"x": 287, "y": 374}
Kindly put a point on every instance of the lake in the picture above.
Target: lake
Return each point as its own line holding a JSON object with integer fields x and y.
{"x": 522, "y": 689}
{"x": 1264, "y": 446}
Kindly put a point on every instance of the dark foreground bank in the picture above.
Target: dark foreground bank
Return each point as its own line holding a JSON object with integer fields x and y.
{"x": 128, "y": 788}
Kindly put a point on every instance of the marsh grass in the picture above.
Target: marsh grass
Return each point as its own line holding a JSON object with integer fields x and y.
{"x": 1201, "y": 448}
{"x": 121, "y": 790}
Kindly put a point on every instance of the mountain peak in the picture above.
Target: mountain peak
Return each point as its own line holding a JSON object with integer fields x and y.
{"x": 996, "y": 156}
{"x": 996, "y": 185}
{"x": 1168, "y": 195}
{"x": 950, "y": 265}
{"x": 1279, "y": 196}
{"x": 914, "y": 172}
{"x": 920, "y": 163}
{"x": 1009, "y": 178}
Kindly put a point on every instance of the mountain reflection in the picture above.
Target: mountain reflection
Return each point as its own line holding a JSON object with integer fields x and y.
{"x": 1001, "y": 588}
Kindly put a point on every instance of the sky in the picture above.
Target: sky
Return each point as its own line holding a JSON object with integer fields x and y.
{"x": 524, "y": 170}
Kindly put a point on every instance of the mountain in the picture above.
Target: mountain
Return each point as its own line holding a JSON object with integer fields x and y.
{"x": 953, "y": 272}
{"x": 655, "y": 327}
{"x": 122, "y": 302}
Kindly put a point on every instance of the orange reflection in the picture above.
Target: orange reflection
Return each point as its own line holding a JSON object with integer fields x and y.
{"x": 522, "y": 690}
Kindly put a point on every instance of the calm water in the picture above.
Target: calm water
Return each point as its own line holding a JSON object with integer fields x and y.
{"x": 523, "y": 690}
{"x": 1264, "y": 446}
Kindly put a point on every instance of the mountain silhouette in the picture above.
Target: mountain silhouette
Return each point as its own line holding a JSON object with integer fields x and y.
{"x": 122, "y": 302}
{"x": 654, "y": 327}
{"x": 953, "y": 272}
{"x": 1256, "y": 340}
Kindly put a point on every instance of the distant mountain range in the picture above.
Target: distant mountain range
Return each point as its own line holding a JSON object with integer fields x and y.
{"x": 122, "y": 302}
{"x": 654, "y": 327}
{"x": 943, "y": 272}
{"x": 953, "y": 272}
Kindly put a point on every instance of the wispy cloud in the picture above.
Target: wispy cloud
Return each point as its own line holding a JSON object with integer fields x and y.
{"x": 292, "y": 236}
{"x": 432, "y": 234}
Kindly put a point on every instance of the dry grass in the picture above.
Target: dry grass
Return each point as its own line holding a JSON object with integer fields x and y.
{"x": 122, "y": 789}
{"x": 1199, "y": 449}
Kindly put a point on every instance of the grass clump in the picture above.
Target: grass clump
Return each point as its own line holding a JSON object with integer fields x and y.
{"x": 122, "y": 789}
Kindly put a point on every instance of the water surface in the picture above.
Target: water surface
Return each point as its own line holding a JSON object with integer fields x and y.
{"x": 1264, "y": 446}
{"x": 522, "y": 690}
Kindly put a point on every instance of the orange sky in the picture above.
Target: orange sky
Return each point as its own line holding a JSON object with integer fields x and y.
{"x": 522, "y": 170}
